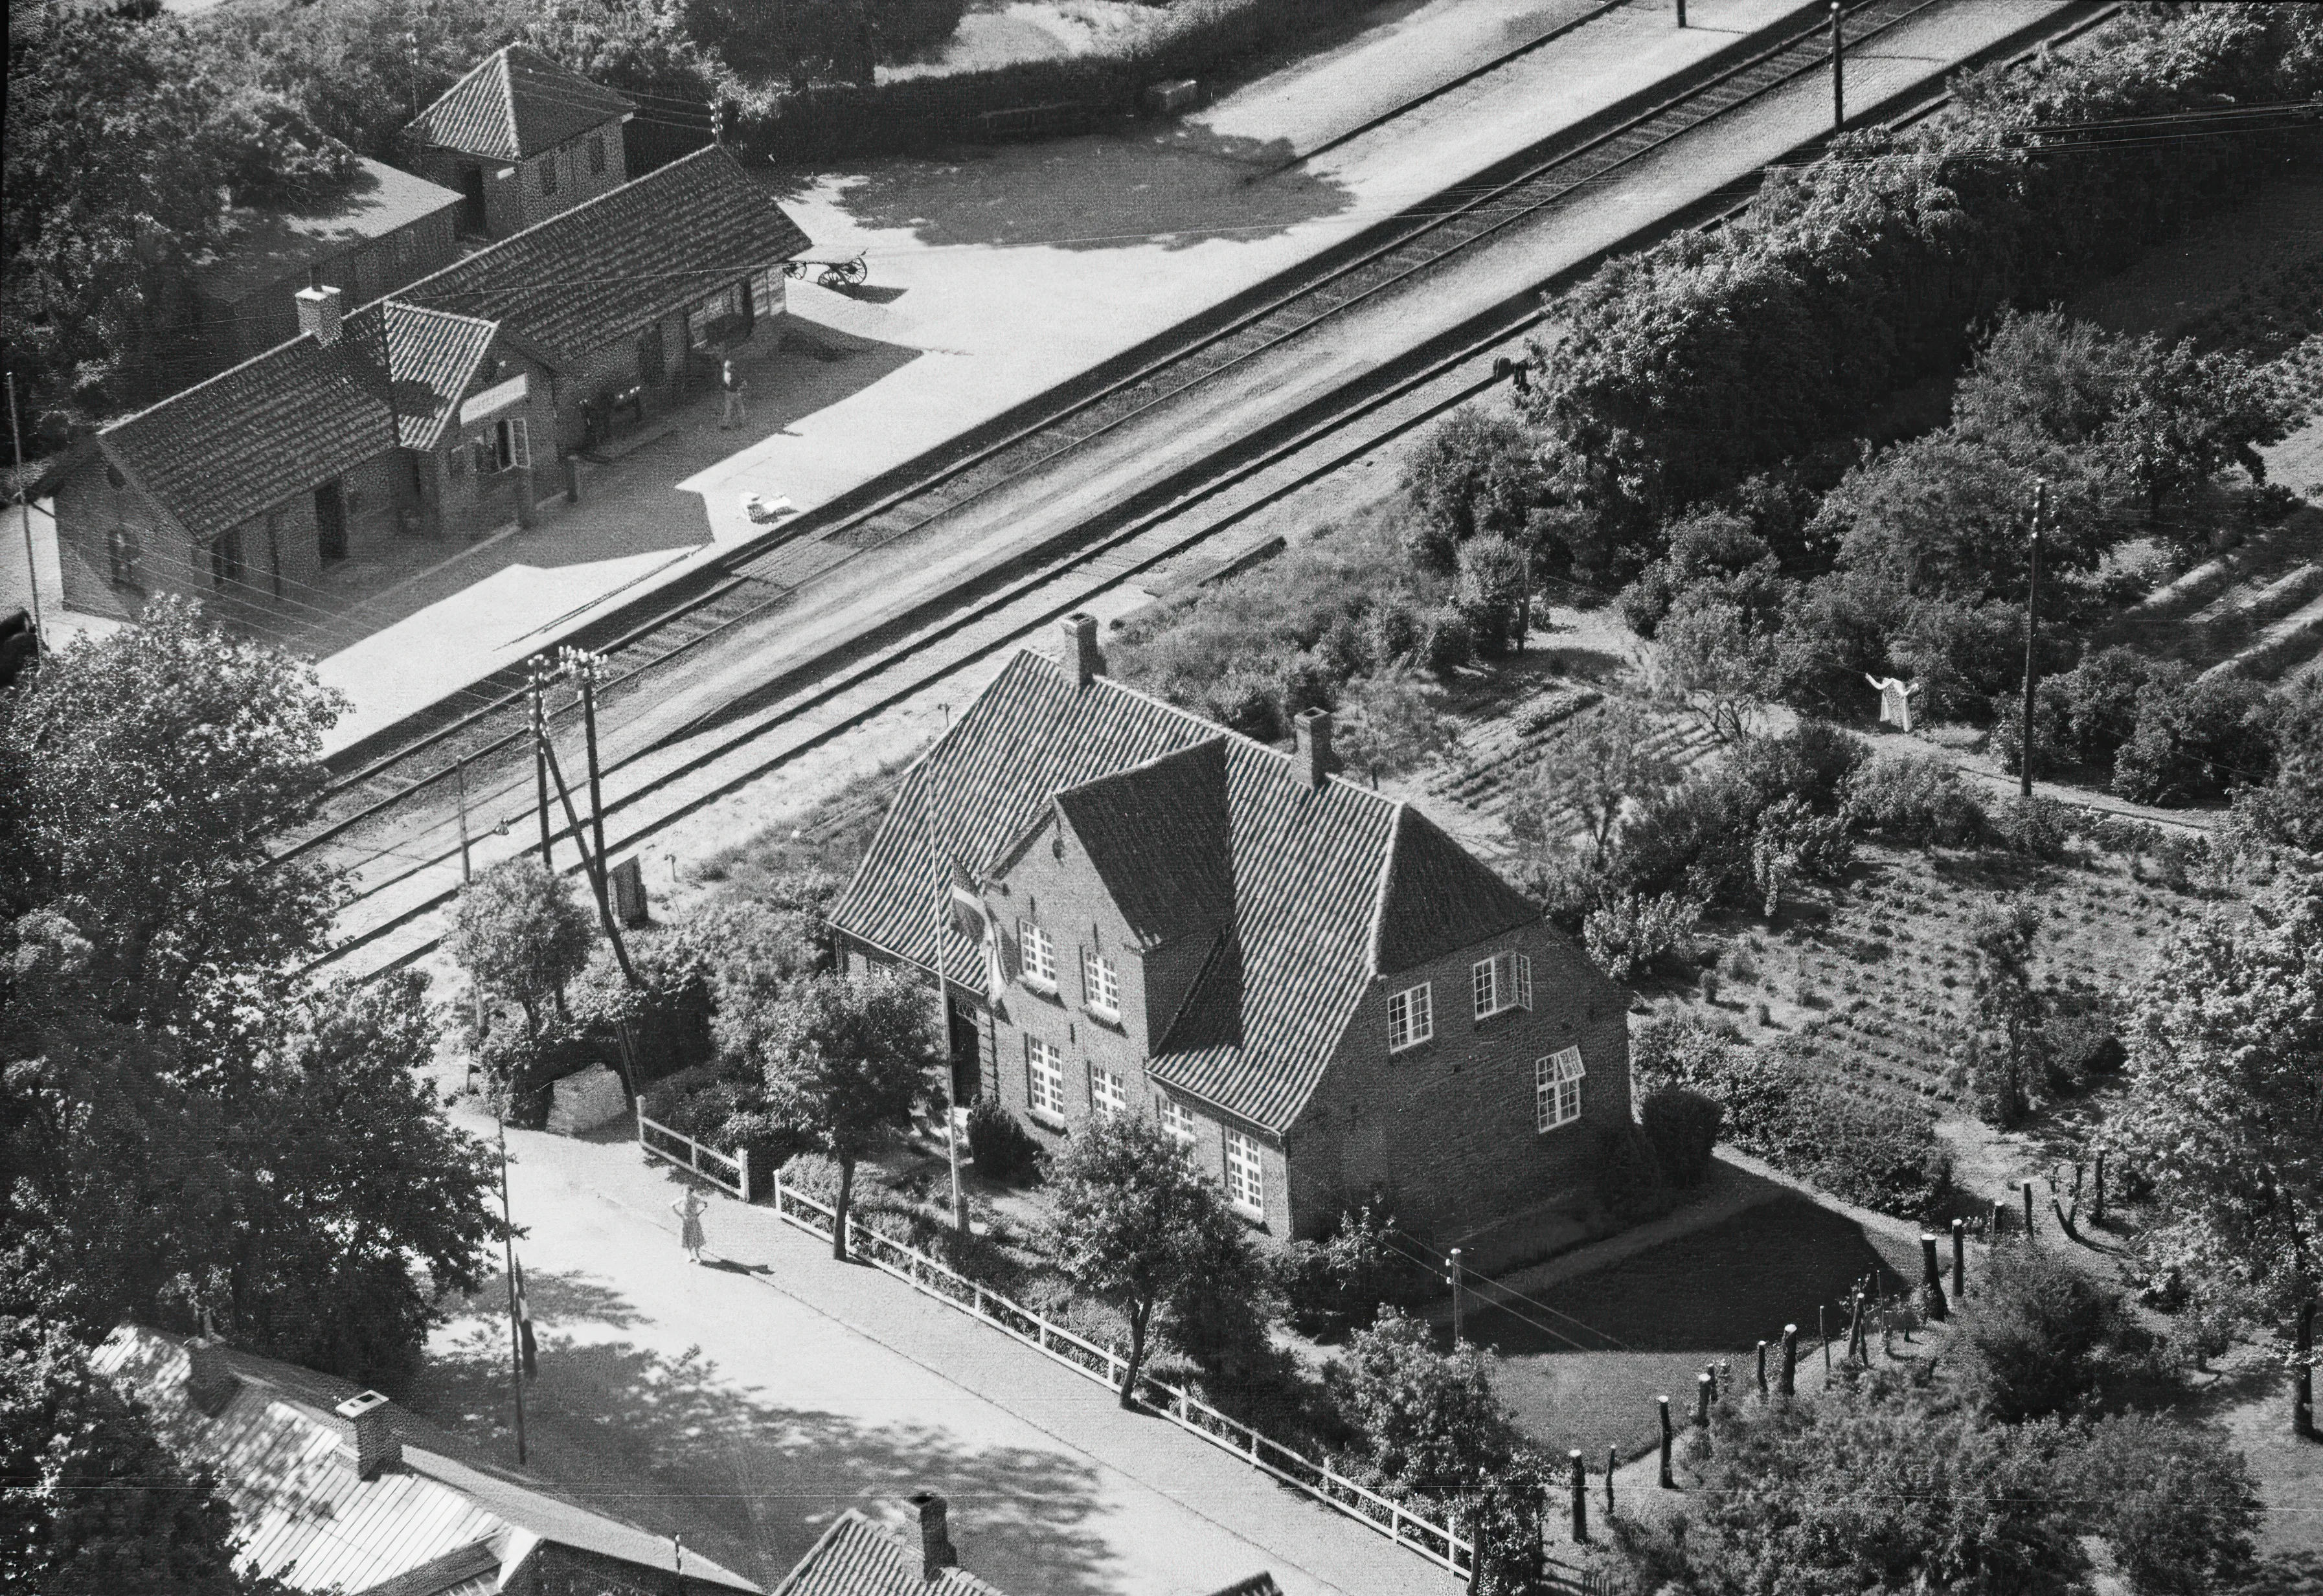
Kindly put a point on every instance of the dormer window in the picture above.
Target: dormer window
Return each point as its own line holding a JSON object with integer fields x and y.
{"x": 1501, "y": 982}
{"x": 1410, "y": 1017}
{"x": 1039, "y": 956}
{"x": 1100, "y": 985}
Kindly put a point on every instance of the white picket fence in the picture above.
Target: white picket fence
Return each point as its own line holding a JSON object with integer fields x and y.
{"x": 729, "y": 1173}
{"x": 1431, "y": 1540}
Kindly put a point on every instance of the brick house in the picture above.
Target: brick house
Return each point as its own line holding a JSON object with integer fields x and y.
{"x": 520, "y": 139}
{"x": 390, "y": 228}
{"x": 440, "y": 412}
{"x": 1309, "y": 985}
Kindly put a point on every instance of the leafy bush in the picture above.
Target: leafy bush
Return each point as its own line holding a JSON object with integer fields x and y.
{"x": 1861, "y": 1152}
{"x": 2195, "y": 739}
{"x": 2037, "y": 828}
{"x": 1917, "y": 799}
{"x": 1630, "y": 934}
{"x": 1341, "y": 1282}
{"x": 2034, "y": 1339}
{"x": 1420, "y": 1416}
{"x": 1473, "y": 474}
{"x": 1004, "y": 1150}
{"x": 1683, "y": 1127}
{"x": 2174, "y": 1501}
{"x": 521, "y": 1066}
{"x": 1448, "y": 642}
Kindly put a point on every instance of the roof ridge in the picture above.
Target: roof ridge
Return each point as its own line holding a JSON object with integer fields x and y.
{"x": 168, "y": 399}
{"x": 1387, "y": 875}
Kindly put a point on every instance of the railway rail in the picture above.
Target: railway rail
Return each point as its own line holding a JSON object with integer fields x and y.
{"x": 390, "y": 820}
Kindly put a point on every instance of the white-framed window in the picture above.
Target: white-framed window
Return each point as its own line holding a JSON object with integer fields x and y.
{"x": 1410, "y": 1017}
{"x": 1557, "y": 1089}
{"x": 1044, "y": 1078}
{"x": 506, "y": 447}
{"x": 1176, "y": 1122}
{"x": 1503, "y": 981}
{"x": 1246, "y": 1176}
{"x": 1040, "y": 955}
{"x": 1108, "y": 1093}
{"x": 1100, "y": 983}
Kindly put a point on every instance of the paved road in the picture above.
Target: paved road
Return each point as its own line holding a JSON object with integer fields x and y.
{"x": 743, "y": 1406}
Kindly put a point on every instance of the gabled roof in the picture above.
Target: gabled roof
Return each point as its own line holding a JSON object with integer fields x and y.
{"x": 514, "y": 104}
{"x": 583, "y": 278}
{"x": 1323, "y": 884}
{"x": 430, "y": 1525}
{"x": 268, "y": 246}
{"x": 856, "y": 1558}
{"x": 280, "y": 422}
{"x": 432, "y": 357}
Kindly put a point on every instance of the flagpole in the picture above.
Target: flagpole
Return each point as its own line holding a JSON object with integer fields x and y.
{"x": 516, "y": 1335}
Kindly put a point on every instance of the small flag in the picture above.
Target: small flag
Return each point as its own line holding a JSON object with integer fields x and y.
{"x": 526, "y": 1345}
{"x": 966, "y": 908}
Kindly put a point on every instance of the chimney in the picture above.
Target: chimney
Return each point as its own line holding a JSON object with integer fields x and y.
{"x": 936, "y": 1553}
{"x": 1312, "y": 762}
{"x": 375, "y": 1446}
{"x": 318, "y": 313}
{"x": 209, "y": 1383}
{"x": 1081, "y": 656}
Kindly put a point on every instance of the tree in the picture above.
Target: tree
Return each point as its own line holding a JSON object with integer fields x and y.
{"x": 847, "y": 1063}
{"x": 2223, "y": 1109}
{"x": 1493, "y": 590}
{"x": 1426, "y": 1422}
{"x": 2009, "y": 1050}
{"x": 1473, "y": 473}
{"x": 1393, "y": 723}
{"x": 2034, "y": 1340}
{"x": 1719, "y": 663}
{"x": 2288, "y": 812}
{"x": 1136, "y": 1226}
{"x": 1594, "y": 771}
{"x": 2173, "y": 1501}
{"x": 520, "y": 931}
{"x": 96, "y": 1504}
{"x": 140, "y": 775}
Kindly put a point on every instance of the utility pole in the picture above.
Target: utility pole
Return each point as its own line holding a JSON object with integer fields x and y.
{"x": 585, "y": 668}
{"x": 2032, "y": 604}
{"x": 24, "y": 510}
{"x": 1681, "y": 18}
{"x": 1838, "y": 84}
{"x": 537, "y": 683}
{"x": 516, "y": 1333}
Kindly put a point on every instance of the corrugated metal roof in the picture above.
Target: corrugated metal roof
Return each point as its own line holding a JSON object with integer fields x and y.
{"x": 308, "y": 1519}
{"x": 514, "y": 104}
{"x": 581, "y": 279}
{"x": 1305, "y": 867}
{"x": 856, "y": 1558}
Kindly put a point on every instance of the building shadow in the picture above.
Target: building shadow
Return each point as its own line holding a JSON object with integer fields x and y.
{"x": 675, "y": 1444}
{"x": 1178, "y": 187}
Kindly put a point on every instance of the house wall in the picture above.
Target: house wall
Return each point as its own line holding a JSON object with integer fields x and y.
{"x": 688, "y": 367}
{"x": 513, "y": 200}
{"x": 1444, "y": 1131}
{"x": 468, "y": 502}
{"x": 268, "y": 314}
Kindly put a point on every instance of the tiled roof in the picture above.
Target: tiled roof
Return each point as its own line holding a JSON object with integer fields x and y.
{"x": 269, "y": 246}
{"x": 422, "y": 1527}
{"x": 432, "y": 356}
{"x": 514, "y": 104}
{"x": 597, "y": 272}
{"x": 856, "y": 1558}
{"x": 1313, "y": 873}
{"x": 276, "y": 425}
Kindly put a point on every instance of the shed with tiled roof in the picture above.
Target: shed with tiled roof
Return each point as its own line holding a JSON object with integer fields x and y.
{"x": 1309, "y": 981}
{"x": 521, "y": 137}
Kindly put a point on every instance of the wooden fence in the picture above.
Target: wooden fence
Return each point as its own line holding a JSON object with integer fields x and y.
{"x": 729, "y": 1173}
{"x": 1434, "y": 1541}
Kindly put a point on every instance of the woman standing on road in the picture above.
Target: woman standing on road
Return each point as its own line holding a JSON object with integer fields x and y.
{"x": 689, "y": 1211}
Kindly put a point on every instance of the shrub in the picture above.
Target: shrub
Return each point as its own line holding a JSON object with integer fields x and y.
{"x": 1861, "y": 1152}
{"x": 2175, "y": 1503}
{"x": 1692, "y": 840}
{"x": 2033, "y": 1338}
{"x": 1473, "y": 475}
{"x": 1448, "y": 643}
{"x": 2195, "y": 739}
{"x": 1004, "y": 1150}
{"x": 521, "y": 1066}
{"x": 1916, "y": 799}
{"x": 1632, "y": 933}
{"x": 1341, "y": 1282}
{"x": 1683, "y": 1127}
{"x": 2037, "y": 828}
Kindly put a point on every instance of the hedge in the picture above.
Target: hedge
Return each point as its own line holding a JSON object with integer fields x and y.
{"x": 1679, "y": 369}
{"x": 1198, "y": 39}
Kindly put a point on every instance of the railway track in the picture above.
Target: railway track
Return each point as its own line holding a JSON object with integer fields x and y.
{"x": 388, "y": 824}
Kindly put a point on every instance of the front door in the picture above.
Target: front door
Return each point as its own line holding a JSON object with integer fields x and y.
{"x": 331, "y": 521}
{"x": 471, "y": 200}
{"x": 651, "y": 364}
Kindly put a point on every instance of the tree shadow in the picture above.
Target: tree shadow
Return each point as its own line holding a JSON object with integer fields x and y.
{"x": 1178, "y": 189}
{"x": 673, "y": 1444}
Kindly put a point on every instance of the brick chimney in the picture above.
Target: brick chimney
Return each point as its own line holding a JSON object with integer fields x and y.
{"x": 1082, "y": 657}
{"x": 209, "y": 1383}
{"x": 374, "y": 1443}
{"x": 318, "y": 313}
{"x": 936, "y": 1553}
{"x": 1312, "y": 761}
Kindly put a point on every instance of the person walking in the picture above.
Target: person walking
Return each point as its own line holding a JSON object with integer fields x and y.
{"x": 689, "y": 1211}
{"x": 733, "y": 382}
